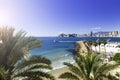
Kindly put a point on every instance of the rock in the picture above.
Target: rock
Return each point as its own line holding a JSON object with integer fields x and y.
{"x": 82, "y": 48}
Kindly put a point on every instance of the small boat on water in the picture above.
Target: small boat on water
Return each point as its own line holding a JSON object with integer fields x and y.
{"x": 55, "y": 41}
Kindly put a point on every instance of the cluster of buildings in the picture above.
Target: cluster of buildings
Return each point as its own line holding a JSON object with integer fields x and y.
{"x": 91, "y": 34}
{"x": 108, "y": 50}
{"x": 106, "y": 34}
{"x": 115, "y": 33}
{"x": 68, "y": 35}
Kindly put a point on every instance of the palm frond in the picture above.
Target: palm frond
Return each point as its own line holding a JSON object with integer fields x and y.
{"x": 16, "y": 46}
{"x": 2, "y": 74}
{"x": 40, "y": 66}
{"x": 74, "y": 69}
{"x": 68, "y": 76}
{"x": 81, "y": 64}
{"x": 34, "y": 78}
{"x": 33, "y": 60}
{"x": 35, "y": 74}
{"x": 106, "y": 67}
{"x": 89, "y": 67}
{"x": 111, "y": 77}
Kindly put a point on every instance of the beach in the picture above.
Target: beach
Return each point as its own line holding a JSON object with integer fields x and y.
{"x": 57, "y": 72}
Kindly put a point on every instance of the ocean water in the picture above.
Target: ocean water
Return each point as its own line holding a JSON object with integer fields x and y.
{"x": 62, "y": 51}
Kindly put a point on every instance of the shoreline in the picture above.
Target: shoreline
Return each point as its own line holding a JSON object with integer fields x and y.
{"x": 57, "y": 72}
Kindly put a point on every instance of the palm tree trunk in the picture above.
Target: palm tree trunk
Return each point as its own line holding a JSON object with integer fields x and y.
{"x": 90, "y": 48}
{"x": 105, "y": 48}
{"x": 99, "y": 48}
{"x": 95, "y": 49}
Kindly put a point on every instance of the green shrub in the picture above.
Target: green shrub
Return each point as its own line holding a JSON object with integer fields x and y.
{"x": 116, "y": 57}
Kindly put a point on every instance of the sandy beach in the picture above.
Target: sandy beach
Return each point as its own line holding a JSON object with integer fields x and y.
{"x": 57, "y": 72}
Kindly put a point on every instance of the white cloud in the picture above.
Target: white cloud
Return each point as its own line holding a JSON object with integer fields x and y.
{"x": 96, "y": 28}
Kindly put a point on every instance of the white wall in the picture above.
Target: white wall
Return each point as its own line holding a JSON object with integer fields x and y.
{"x": 110, "y": 47}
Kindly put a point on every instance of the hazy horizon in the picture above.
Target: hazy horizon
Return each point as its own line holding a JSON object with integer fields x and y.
{"x": 52, "y": 17}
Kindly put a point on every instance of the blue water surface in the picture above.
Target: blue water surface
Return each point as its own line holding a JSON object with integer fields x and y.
{"x": 61, "y": 49}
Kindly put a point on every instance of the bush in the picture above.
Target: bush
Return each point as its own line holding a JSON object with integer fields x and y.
{"x": 116, "y": 57}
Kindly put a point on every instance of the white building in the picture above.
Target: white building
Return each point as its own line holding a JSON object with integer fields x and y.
{"x": 108, "y": 48}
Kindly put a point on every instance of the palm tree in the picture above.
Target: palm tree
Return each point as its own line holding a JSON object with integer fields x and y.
{"x": 89, "y": 67}
{"x": 15, "y": 47}
{"x": 104, "y": 42}
{"x": 30, "y": 69}
{"x": 33, "y": 69}
{"x": 99, "y": 43}
{"x": 95, "y": 44}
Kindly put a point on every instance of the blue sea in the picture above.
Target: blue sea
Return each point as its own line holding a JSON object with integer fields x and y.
{"x": 61, "y": 49}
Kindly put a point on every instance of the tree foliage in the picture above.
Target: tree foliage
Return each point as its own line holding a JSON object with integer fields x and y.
{"x": 15, "y": 47}
{"x": 116, "y": 57}
{"x": 89, "y": 67}
{"x": 33, "y": 68}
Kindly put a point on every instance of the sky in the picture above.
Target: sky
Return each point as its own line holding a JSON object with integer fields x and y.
{"x": 52, "y": 17}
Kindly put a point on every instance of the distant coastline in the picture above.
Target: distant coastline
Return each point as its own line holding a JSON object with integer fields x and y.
{"x": 91, "y": 34}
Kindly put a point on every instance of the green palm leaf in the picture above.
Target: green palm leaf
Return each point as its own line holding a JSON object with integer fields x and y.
{"x": 69, "y": 76}
{"x": 33, "y": 60}
{"x": 88, "y": 67}
{"x": 35, "y": 74}
{"x": 15, "y": 58}
{"x": 33, "y": 68}
{"x": 74, "y": 69}
{"x": 2, "y": 74}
